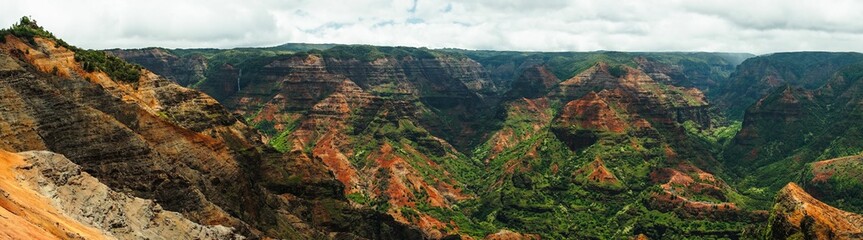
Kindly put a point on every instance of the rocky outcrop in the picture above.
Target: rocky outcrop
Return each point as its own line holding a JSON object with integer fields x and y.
{"x": 158, "y": 135}
{"x": 694, "y": 193}
{"x": 341, "y": 112}
{"x": 596, "y": 175}
{"x": 638, "y": 93}
{"x": 510, "y": 235}
{"x": 591, "y": 112}
{"x": 45, "y": 193}
{"x": 155, "y": 140}
{"x": 797, "y": 215}
{"x": 528, "y": 117}
{"x": 607, "y": 99}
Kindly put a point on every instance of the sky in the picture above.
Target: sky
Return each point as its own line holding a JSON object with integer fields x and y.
{"x": 753, "y": 26}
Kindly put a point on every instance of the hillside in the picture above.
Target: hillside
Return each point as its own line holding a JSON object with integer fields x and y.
{"x": 328, "y": 141}
{"x": 382, "y": 119}
{"x": 142, "y": 135}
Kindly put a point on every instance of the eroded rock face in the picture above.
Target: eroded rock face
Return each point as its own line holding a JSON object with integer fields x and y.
{"x": 607, "y": 99}
{"x": 592, "y": 112}
{"x": 510, "y": 235}
{"x": 126, "y": 133}
{"x": 683, "y": 184}
{"x": 534, "y": 116}
{"x": 453, "y": 86}
{"x": 639, "y": 94}
{"x": 54, "y": 196}
{"x": 156, "y": 140}
{"x": 796, "y": 214}
{"x": 595, "y": 174}
{"x": 392, "y": 128}
{"x": 357, "y": 117}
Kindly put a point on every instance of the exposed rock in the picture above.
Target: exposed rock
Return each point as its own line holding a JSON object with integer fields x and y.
{"x": 153, "y": 139}
{"x": 638, "y": 93}
{"x": 797, "y": 215}
{"x": 533, "y": 116}
{"x": 510, "y": 235}
{"x": 595, "y": 174}
{"x": 9, "y": 64}
{"x": 124, "y": 135}
{"x": 53, "y": 195}
{"x": 591, "y": 112}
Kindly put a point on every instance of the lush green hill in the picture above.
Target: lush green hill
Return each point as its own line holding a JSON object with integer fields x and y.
{"x": 566, "y": 145}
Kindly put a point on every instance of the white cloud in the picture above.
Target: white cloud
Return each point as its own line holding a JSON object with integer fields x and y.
{"x": 551, "y": 25}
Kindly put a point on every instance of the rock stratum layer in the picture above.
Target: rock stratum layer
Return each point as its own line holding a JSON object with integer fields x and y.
{"x": 351, "y": 141}
{"x": 46, "y": 196}
{"x": 797, "y": 215}
{"x": 407, "y": 131}
{"x": 153, "y": 139}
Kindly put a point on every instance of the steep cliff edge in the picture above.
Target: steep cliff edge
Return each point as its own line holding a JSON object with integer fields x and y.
{"x": 797, "y": 215}
{"x": 46, "y": 196}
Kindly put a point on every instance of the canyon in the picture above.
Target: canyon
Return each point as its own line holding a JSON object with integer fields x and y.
{"x": 304, "y": 141}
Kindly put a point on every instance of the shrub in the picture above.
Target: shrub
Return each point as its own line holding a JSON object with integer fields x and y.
{"x": 115, "y": 67}
{"x": 27, "y": 29}
{"x": 91, "y": 60}
{"x": 617, "y": 70}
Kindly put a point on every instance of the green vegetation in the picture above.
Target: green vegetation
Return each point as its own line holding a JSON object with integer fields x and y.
{"x": 540, "y": 182}
{"x": 839, "y": 182}
{"x": 718, "y": 137}
{"x": 115, "y": 67}
{"x": 91, "y": 60}
{"x": 281, "y": 141}
{"x": 27, "y": 29}
{"x": 565, "y": 65}
{"x": 531, "y": 187}
{"x": 617, "y": 71}
{"x": 368, "y": 53}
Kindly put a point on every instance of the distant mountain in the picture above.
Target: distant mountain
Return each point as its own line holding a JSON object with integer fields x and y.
{"x": 799, "y": 122}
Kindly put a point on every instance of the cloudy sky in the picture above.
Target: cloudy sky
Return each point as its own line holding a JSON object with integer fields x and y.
{"x": 755, "y": 26}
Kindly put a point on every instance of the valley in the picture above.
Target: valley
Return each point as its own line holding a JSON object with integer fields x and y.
{"x": 328, "y": 141}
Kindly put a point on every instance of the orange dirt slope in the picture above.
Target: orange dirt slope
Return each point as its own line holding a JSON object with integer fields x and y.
{"x": 25, "y": 214}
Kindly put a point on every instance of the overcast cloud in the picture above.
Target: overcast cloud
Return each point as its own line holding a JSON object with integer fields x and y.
{"x": 755, "y": 26}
